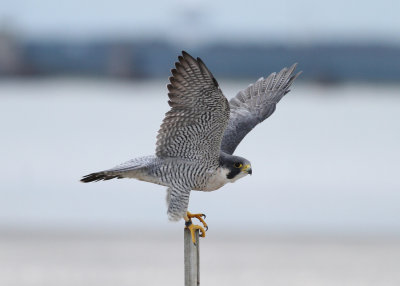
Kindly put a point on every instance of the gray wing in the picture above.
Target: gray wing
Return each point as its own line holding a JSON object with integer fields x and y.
{"x": 254, "y": 104}
{"x": 194, "y": 126}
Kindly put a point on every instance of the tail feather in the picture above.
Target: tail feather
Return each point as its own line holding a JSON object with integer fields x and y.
{"x": 131, "y": 169}
{"x": 99, "y": 176}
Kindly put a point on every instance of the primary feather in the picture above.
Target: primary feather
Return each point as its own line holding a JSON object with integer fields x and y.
{"x": 254, "y": 104}
{"x": 194, "y": 126}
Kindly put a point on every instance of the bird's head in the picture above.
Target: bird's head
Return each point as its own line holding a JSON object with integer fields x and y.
{"x": 236, "y": 167}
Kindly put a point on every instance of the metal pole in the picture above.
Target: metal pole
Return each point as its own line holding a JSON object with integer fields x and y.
{"x": 192, "y": 259}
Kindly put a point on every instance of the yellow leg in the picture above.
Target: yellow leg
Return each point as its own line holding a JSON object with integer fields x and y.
{"x": 193, "y": 227}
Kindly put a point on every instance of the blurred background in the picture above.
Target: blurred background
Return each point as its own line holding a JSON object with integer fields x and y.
{"x": 83, "y": 88}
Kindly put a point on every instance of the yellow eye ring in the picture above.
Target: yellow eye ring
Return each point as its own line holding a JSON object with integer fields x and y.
{"x": 237, "y": 165}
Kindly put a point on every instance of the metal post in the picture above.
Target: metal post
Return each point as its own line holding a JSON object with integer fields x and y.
{"x": 192, "y": 259}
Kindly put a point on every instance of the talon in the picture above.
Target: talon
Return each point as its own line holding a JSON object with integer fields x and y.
{"x": 193, "y": 228}
{"x": 199, "y": 217}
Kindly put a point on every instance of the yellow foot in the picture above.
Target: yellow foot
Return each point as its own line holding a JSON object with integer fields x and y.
{"x": 193, "y": 227}
{"x": 199, "y": 217}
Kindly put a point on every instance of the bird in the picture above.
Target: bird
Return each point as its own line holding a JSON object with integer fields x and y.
{"x": 199, "y": 134}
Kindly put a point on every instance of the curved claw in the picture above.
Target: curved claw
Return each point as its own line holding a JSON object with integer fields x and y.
{"x": 193, "y": 228}
{"x": 199, "y": 217}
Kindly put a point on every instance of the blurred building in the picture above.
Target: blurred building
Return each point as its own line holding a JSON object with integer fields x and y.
{"x": 11, "y": 62}
{"x": 326, "y": 63}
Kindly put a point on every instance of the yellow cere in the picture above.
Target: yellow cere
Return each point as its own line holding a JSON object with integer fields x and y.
{"x": 246, "y": 167}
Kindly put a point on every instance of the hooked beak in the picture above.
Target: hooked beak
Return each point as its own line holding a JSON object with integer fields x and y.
{"x": 247, "y": 169}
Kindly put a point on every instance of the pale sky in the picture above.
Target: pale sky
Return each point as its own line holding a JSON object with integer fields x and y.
{"x": 202, "y": 20}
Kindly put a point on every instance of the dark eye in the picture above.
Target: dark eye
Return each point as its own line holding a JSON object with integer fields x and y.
{"x": 237, "y": 165}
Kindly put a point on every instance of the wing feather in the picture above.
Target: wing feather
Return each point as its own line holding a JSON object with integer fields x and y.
{"x": 194, "y": 126}
{"x": 254, "y": 104}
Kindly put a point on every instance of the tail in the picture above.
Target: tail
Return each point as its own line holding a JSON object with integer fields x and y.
{"x": 100, "y": 176}
{"x": 135, "y": 168}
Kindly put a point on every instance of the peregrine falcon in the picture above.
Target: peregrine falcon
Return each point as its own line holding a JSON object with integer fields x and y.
{"x": 199, "y": 134}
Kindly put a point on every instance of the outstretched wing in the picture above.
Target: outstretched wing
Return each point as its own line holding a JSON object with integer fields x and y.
{"x": 254, "y": 104}
{"x": 194, "y": 126}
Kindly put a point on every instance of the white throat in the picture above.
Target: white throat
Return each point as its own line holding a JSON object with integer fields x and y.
{"x": 219, "y": 179}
